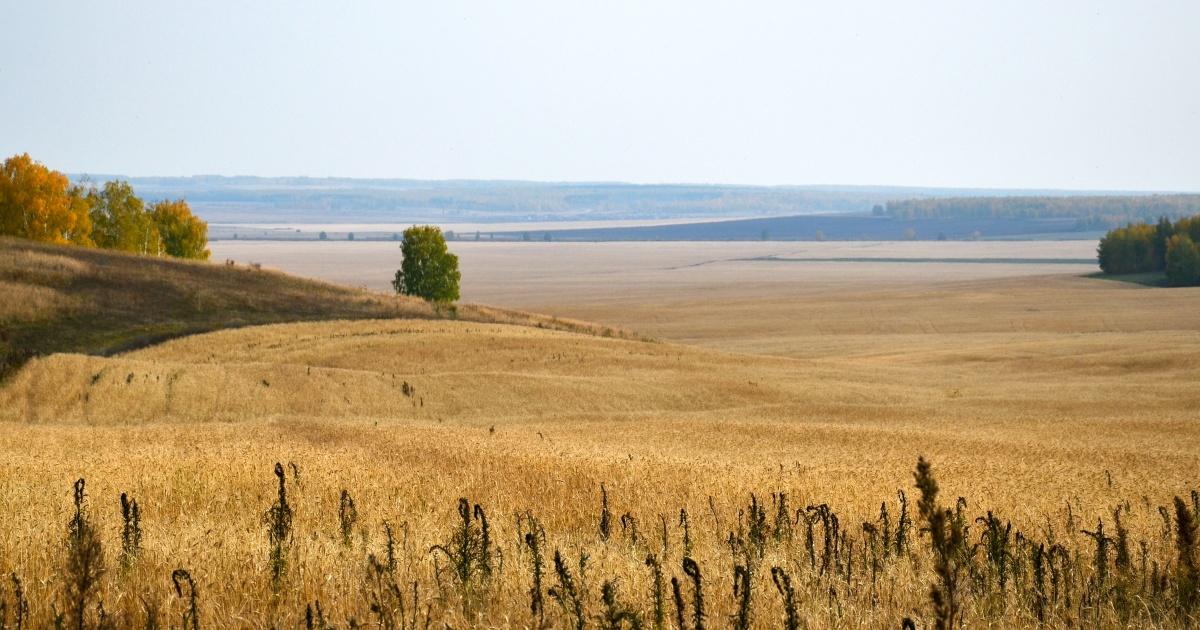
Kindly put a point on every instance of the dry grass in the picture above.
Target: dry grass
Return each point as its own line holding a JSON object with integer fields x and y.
{"x": 32, "y": 284}
{"x": 24, "y": 303}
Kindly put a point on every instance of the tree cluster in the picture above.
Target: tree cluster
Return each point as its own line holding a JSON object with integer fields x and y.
{"x": 1164, "y": 246}
{"x": 1090, "y": 212}
{"x": 42, "y": 205}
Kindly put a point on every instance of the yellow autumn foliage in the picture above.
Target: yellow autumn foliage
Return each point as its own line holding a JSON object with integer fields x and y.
{"x": 40, "y": 204}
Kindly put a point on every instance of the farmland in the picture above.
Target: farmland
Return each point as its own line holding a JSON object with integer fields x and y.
{"x": 1049, "y": 398}
{"x": 774, "y": 298}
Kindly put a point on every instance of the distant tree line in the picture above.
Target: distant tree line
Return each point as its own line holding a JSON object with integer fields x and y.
{"x": 1164, "y": 246}
{"x": 42, "y": 205}
{"x": 1094, "y": 212}
{"x": 291, "y": 199}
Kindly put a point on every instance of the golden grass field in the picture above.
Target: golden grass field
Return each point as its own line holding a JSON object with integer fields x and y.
{"x": 1049, "y": 399}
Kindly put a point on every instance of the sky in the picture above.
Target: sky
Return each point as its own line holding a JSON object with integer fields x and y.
{"x": 1014, "y": 94}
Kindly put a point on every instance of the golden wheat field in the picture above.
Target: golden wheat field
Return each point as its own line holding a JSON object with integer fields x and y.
{"x": 741, "y": 469}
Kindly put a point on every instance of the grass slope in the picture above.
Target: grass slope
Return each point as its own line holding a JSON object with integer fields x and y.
{"x": 70, "y": 299}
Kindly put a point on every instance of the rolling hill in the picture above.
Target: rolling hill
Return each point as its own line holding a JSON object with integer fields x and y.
{"x": 71, "y": 299}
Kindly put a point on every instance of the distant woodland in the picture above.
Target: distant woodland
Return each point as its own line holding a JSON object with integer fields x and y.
{"x": 247, "y": 199}
{"x": 1089, "y": 212}
{"x": 337, "y": 200}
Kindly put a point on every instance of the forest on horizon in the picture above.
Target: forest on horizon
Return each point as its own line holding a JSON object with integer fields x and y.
{"x": 246, "y": 199}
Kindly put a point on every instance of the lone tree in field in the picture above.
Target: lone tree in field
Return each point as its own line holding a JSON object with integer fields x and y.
{"x": 429, "y": 270}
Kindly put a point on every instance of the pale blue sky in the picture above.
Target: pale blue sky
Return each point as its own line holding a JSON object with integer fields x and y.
{"x": 998, "y": 94}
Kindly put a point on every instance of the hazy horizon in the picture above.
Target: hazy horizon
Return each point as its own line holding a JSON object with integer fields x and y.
{"x": 1087, "y": 96}
{"x": 76, "y": 177}
{"x": 448, "y": 182}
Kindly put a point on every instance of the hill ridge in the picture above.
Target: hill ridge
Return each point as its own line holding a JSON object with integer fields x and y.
{"x": 72, "y": 299}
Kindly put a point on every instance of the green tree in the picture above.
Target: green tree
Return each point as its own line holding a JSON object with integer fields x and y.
{"x": 182, "y": 233}
{"x": 1162, "y": 234}
{"x": 1183, "y": 262}
{"x": 1189, "y": 226}
{"x": 1129, "y": 249}
{"x": 120, "y": 220}
{"x": 429, "y": 270}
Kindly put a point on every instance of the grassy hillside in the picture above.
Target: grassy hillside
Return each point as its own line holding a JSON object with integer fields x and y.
{"x": 467, "y": 372}
{"x": 70, "y": 299}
